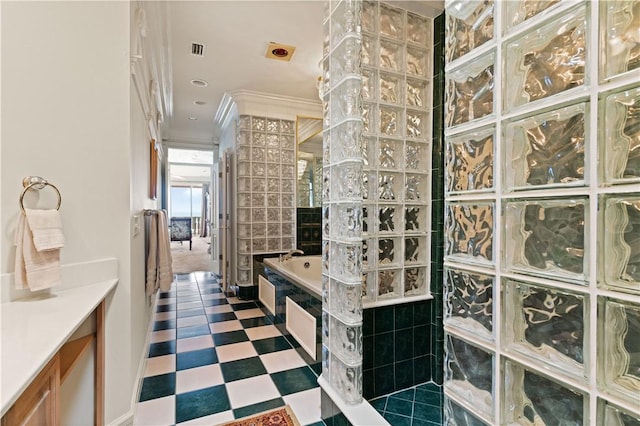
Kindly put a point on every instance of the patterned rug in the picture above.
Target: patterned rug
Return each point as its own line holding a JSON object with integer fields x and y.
{"x": 282, "y": 416}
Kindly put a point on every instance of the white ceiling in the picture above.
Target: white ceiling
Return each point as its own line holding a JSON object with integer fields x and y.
{"x": 236, "y": 34}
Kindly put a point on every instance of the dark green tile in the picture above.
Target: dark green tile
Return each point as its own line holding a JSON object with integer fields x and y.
{"x": 421, "y": 340}
{"x": 383, "y": 380}
{"x": 367, "y": 322}
{"x": 166, "y": 295}
{"x": 403, "y": 345}
{"x": 166, "y": 308}
{"x": 427, "y": 412}
{"x": 225, "y": 316}
{"x": 384, "y": 349}
{"x": 202, "y": 402}
{"x": 250, "y": 410}
{"x": 419, "y": 422}
{"x": 430, "y": 387}
{"x": 367, "y": 384}
{"x": 426, "y": 397}
{"x": 384, "y": 319}
{"x": 404, "y": 316}
{"x": 422, "y": 313}
{"x": 379, "y": 404}
{"x": 422, "y": 370}
{"x": 164, "y": 325}
{"x": 162, "y": 348}
{"x": 367, "y": 352}
{"x": 158, "y": 386}
{"x": 399, "y": 406}
{"x": 243, "y": 306}
{"x": 242, "y": 369}
{"x": 195, "y": 330}
{"x": 230, "y": 337}
{"x": 255, "y": 322}
{"x": 192, "y": 359}
{"x": 295, "y": 380}
{"x": 404, "y": 374}
{"x": 190, "y": 313}
{"x": 396, "y": 420}
{"x": 405, "y": 394}
{"x": 271, "y": 344}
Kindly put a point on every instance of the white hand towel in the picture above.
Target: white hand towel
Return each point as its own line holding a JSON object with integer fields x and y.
{"x": 46, "y": 227}
{"x": 36, "y": 270}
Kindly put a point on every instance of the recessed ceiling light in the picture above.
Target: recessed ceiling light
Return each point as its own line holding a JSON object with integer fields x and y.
{"x": 192, "y": 118}
{"x": 199, "y": 83}
{"x": 279, "y": 51}
{"x": 200, "y": 103}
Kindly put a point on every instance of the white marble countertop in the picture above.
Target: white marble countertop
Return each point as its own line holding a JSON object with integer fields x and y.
{"x": 33, "y": 330}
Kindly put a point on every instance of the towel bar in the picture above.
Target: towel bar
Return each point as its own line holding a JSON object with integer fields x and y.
{"x": 36, "y": 182}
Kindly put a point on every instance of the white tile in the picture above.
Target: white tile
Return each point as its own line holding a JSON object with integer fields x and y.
{"x": 163, "y": 335}
{"x": 235, "y": 351}
{"x": 194, "y": 320}
{"x": 163, "y": 316}
{"x": 160, "y": 365}
{"x": 213, "y": 296}
{"x": 249, "y": 313}
{"x": 198, "y": 378}
{"x": 192, "y": 291}
{"x": 251, "y": 391}
{"x": 234, "y": 300}
{"x": 190, "y": 305}
{"x": 224, "y": 326}
{"x": 257, "y": 333}
{"x": 156, "y": 412}
{"x": 215, "y": 419}
{"x": 305, "y": 405}
{"x": 166, "y": 301}
{"x": 282, "y": 360}
{"x": 194, "y": 343}
{"x": 218, "y": 309}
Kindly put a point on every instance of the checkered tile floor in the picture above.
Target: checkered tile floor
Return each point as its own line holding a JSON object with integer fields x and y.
{"x": 214, "y": 358}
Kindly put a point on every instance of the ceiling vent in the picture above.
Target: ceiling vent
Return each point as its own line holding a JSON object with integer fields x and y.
{"x": 281, "y": 52}
{"x": 197, "y": 49}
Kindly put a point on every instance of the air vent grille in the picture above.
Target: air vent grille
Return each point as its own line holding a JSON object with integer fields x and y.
{"x": 197, "y": 49}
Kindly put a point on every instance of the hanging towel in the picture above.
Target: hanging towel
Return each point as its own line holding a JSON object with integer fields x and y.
{"x": 159, "y": 272}
{"x": 46, "y": 227}
{"x": 34, "y": 269}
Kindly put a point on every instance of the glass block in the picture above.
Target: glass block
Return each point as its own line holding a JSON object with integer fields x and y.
{"x": 326, "y": 110}
{"x": 468, "y": 302}
{"x": 288, "y": 200}
{"x": 259, "y": 139}
{"x": 391, "y": 86}
{"x": 620, "y": 235}
{"x": 273, "y": 170}
{"x": 416, "y": 188}
{"x": 259, "y": 230}
{"x": 468, "y": 374}
{"x": 258, "y": 124}
{"x": 531, "y": 399}
{"x": 287, "y": 126}
{"x": 622, "y": 135}
{"x": 273, "y": 184}
{"x": 326, "y": 222}
{"x": 244, "y": 215}
{"x": 547, "y": 237}
{"x": 418, "y": 94}
{"x": 273, "y": 229}
{"x": 547, "y": 149}
{"x": 391, "y": 121}
{"x": 418, "y": 125}
{"x": 287, "y": 215}
{"x": 620, "y": 44}
{"x": 469, "y": 231}
{"x": 244, "y": 122}
{"x": 370, "y": 16}
{"x": 609, "y": 414}
{"x": 619, "y": 352}
{"x": 468, "y": 25}
{"x": 346, "y": 141}
{"x": 547, "y": 61}
{"x": 326, "y": 328}
{"x": 346, "y": 100}
{"x": 244, "y": 169}
{"x": 416, "y": 156}
{"x": 258, "y": 169}
{"x": 244, "y": 184}
{"x": 457, "y": 416}
{"x": 244, "y": 261}
{"x": 259, "y": 244}
{"x": 346, "y": 302}
{"x": 243, "y": 138}
{"x": 258, "y": 154}
{"x": 368, "y": 51}
{"x": 369, "y": 80}
{"x": 368, "y": 118}
{"x": 273, "y": 141}
{"x": 287, "y": 185}
{"x": 288, "y": 171}
{"x": 273, "y": 155}
{"x": 244, "y": 153}
{"x": 369, "y": 250}
{"x": 389, "y": 186}
{"x": 415, "y": 219}
{"x": 259, "y": 214}
{"x": 326, "y": 285}
{"x": 369, "y": 147}
{"x": 273, "y": 125}
{"x": 345, "y": 59}
{"x": 389, "y": 154}
{"x": 469, "y": 91}
{"x": 346, "y": 380}
{"x": 244, "y": 245}
{"x": 418, "y": 62}
{"x": 418, "y": 29}
{"x": 288, "y": 156}
{"x": 273, "y": 244}
{"x": 415, "y": 250}
{"x": 244, "y": 276}
{"x": 391, "y": 21}
{"x": 347, "y": 220}
{"x": 389, "y": 252}
{"x": 415, "y": 282}
{"x": 288, "y": 243}
{"x": 244, "y": 231}
{"x": 368, "y": 218}
{"x": 346, "y": 181}
{"x": 369, "y": 286}
{"x": 546, "y": 325}
{"x": 287, "y": 142}
{"x": 258, "y": 185}
{"x": 326, "y": 182}
{"x": 258, "y": 200}
{"x": 389, "y": 219}
{"x": 469, "y": 161}
{"x": 244, "y": 200}
{"x": 391, "y": 56}
{"x": 345, "y": 19}
{"x": 369, "y": 185}
{"x": 273, "y": 215}
{"x": 389, "y": 283}
{"x": 519, "y": 11}
{"x": 326, "y": 254}
{"x": 346, "y": 261}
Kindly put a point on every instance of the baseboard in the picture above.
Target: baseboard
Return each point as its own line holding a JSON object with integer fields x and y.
{"x": 124, "y": 420}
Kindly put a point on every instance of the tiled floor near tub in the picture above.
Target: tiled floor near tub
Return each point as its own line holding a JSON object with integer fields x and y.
{"x": 214, "y": 358}
{"x": 416, "y": 406}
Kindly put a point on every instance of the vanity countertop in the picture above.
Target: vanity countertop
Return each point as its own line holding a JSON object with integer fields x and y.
{"x": 33, "y": 330}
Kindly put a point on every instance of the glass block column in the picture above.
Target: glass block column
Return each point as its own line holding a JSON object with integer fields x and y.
{"x": 265, "y": 201}
{"x": 542, "y": 213}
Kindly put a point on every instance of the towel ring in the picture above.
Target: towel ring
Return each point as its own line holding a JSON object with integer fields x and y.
{"x": 36, "y": 182}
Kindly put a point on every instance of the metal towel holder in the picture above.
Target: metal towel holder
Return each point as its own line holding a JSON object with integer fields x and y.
{"x": 31, "y": 183}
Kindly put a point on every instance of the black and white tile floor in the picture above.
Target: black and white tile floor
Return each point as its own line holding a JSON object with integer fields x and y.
{"x": 214, "y": 358}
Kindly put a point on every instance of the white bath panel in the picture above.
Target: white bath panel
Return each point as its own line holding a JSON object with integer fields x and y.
{"x": 267, "y": 294}
{"x": 302, "y": 326}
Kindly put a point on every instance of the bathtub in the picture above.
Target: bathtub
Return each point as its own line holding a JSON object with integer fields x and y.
{"x": 306, "y": 271}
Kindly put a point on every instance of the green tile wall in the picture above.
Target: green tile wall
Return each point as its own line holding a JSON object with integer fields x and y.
{"x": 309, "y": 229}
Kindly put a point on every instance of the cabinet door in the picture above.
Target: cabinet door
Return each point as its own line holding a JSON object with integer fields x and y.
{"x": 38, "y": 404}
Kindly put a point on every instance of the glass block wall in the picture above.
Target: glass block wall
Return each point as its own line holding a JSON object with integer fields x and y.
{"x": 265, "y": 188}
{"x": 542, "y": 165}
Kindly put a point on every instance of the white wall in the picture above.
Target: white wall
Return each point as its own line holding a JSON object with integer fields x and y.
{"x": 66, "y": 116}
